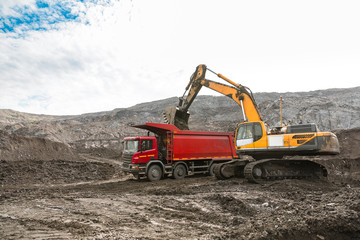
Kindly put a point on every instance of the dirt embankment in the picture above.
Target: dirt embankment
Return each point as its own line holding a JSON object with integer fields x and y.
{"x": 18, "y": 148}
{"x": 349, "y": 140}
{"x": 345, "y": 167}
{"x": 33, "y": 160}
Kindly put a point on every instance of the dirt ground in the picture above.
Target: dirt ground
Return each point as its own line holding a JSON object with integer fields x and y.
{"x": 88, "y": 197}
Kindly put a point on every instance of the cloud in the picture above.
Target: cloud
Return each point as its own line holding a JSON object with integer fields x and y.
{"x": 77, "y": 67}
{"x": 63, "y": 65}
{"x": 86, "y": 56}
{"x": 9, "y": 8}
{"x": 18, "y": 17}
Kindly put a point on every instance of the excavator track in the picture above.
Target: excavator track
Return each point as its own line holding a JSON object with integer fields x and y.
{"x": 230, "y": 169}
{"x": 273, "y": 169}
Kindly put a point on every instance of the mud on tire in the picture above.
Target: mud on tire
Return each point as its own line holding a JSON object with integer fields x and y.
{"x": 154, "y": 173}
{"x": 179, "y": 171}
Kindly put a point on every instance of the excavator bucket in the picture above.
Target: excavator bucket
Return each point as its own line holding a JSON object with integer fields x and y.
{"x": 179, "y": 116}
{"x": 172, "y": 115}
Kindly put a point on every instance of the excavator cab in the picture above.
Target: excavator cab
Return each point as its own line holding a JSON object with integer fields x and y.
{"x": 252, "y": 138}
{"x": 248, "y": 133}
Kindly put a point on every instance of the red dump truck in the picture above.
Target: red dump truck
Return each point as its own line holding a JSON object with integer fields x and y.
{"x": 175, "y": 152}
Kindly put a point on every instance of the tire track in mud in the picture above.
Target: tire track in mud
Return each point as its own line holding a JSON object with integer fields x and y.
{"x": 191, "y": 208}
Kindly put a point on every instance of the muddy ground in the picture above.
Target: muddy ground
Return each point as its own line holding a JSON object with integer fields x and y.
{"x": 88, "y": 197}
{"x": 193, "y": 208}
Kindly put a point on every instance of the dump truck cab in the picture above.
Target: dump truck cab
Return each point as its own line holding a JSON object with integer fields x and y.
{"x": 137, "y": 152}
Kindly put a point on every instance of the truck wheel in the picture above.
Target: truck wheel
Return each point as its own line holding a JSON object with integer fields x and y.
{"x": 179, "y": 171}
{"x": 154, "y": 173}
{"x": 211, "y": 170}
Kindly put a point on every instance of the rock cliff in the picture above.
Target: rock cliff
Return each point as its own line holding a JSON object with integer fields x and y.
{"x": 330, "y": 109}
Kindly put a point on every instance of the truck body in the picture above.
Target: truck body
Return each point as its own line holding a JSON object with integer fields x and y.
{"x": 175, "y": 152}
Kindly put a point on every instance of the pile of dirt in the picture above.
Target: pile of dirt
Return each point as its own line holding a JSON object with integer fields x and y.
{"x": 232, "y": 205}
{"x": 349, "y": 140}
{"x": 345, "y": 167}
{"x": 34, "y": 172}
{"x": 33, "y": 160}
{"x": 342, "y": 171}
{"x": 101, "y": 152}
{"x": 14, "y": 148}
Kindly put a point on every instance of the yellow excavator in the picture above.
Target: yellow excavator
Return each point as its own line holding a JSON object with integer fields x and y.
{"x": 253, "y": 137}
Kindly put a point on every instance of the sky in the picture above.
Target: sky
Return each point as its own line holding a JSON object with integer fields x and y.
{"x": 65, "y": 57}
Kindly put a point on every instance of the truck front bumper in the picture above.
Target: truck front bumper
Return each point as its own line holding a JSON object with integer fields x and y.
{"x": 135, "y": 169}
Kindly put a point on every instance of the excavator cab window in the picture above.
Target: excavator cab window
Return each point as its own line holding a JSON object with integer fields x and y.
{"x": 245, "y": 134}
{"x": 248, "y": 133}
{"x": 258, "y": 133}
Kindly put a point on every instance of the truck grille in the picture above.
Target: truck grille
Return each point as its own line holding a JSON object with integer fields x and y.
{"x": 127, "y": 159}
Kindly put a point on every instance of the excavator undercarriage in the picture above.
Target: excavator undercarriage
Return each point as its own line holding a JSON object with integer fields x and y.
{"x": 270, "y": 169}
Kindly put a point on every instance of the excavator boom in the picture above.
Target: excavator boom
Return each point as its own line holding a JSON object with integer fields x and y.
{"x": 179, "y": 115}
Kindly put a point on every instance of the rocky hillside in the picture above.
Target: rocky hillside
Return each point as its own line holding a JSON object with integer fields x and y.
{"x": 330, "y": 109}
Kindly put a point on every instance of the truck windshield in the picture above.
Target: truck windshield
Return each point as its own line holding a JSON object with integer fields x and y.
{"x": 131, "y": 146}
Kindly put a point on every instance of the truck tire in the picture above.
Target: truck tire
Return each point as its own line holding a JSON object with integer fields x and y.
{"x": 179, "y": 171}
{"x": 211, "y": 170}
{"x": 154, "y": 173}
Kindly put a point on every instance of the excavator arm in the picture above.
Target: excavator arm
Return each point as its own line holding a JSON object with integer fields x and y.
{"x": 179, "y": 115}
